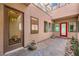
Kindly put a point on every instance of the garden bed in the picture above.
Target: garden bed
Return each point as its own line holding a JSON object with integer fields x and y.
{"x": 69, "y": 51}
{"x": 72, "y": 48}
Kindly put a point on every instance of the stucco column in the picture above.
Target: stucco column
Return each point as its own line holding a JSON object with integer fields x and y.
{"x": 77, "y": 30}
{"x": 52, "y": 27}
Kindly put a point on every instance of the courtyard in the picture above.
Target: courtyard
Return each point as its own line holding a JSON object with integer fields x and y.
{"x": 49, "y": 47}
{"x": 23, "y": 23}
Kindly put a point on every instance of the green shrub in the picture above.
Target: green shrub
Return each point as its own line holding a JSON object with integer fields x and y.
{"x": 75, "y": 46}
{"x": 76, "y": 52}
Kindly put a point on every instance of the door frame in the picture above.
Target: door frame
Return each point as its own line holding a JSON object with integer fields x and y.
{"x": 66, "y": 29}
{"x": 5, "y": 44}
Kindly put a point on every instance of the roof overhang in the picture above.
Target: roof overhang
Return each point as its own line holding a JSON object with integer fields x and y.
{"x": 27, "y": 4}
{"x": 67, "y": 17}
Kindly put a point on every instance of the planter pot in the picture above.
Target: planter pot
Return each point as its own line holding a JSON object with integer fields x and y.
{"x": 32, "y": 47}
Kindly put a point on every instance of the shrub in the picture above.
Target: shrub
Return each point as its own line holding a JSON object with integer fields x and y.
{"x": 75, "y": 46}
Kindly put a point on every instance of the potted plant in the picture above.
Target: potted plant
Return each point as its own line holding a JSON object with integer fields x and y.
{"x": 32, "y": 45}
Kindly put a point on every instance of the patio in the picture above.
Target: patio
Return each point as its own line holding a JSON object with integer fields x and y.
{"x": 49, "y": 47}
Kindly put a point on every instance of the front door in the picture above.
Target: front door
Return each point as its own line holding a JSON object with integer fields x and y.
{"x": 13, "y": 29}
{"x": 63, "y": 29}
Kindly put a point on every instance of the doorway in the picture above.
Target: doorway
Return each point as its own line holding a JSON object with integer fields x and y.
{"x": 13, "y": 29}
{"x": 63, "y": 29}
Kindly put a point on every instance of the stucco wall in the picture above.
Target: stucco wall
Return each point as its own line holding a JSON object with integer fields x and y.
{"x": 67, "y": 10}
{"x": 31, "y": 10}
{"x": 70, "y": 34}
{"x": 35, "y": 12}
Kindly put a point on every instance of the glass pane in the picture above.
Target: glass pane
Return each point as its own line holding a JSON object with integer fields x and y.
{"x": 46, "y": 26}
{"x": 34, "y": 25}
{"x": 72, "y": 26}
{"x": 15, "y": 27}
{"x": 53, "y": 27}
{"x": 63, "y": 32}
{"x": 62, "y": 4}
{"x": 57, "y": 27}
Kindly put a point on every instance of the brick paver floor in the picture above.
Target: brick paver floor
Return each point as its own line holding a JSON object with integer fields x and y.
{"x": 49, "y": 47}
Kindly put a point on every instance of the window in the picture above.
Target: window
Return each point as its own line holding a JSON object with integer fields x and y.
{"x": 72, "y": 26}
{"x": 46, "y": 27}
{"x": 49, "y": 27}
{"x": 34, "y": 25}
{"x": 54, "y": 6}
{"x": 57, "y": 27}
{"x": 62, "y": 4}
{"x": 15, "y": 28}
{"x": 53, "y": 26}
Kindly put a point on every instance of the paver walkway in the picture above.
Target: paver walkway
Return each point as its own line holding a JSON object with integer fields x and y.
{"x": 49, "y": 47}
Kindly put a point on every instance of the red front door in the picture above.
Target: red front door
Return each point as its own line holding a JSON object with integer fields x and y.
{"x": 63, "y": 29}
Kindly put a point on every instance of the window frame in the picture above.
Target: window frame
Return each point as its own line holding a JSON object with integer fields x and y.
{"x": 32, "y": 24}
{"x": 46, "y": 26}
{"x": 73, "y": 27}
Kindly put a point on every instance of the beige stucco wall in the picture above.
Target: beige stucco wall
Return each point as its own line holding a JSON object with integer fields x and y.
{"x": 67, "y": 10}
{"x": 70, "y": 34}
{"x": 56, "y": 34}
{"x": 31, "y": 10}
{"x": 34, "y": 11}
